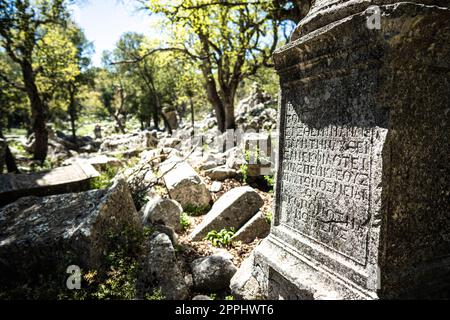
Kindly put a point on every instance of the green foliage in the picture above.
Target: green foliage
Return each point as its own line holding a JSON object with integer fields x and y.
{"x": 269, "y": 217}
{"x": 213, "y": 296}
{"x": 243, "y": 169}
{"x": 184, "y": 221}
{"x": 196, "y": 211}
{"x": 105, "y": 180}
{"x": 221, "y": 238}
{"x": 229, "y": 298}
{"x": 270, "y": 182}
{"x": 157, "y": 294}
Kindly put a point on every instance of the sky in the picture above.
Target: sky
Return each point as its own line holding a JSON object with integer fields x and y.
{"x": 104, "y": 21}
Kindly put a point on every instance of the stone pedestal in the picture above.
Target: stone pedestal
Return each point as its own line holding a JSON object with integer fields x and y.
{"x": 363, "y": 188}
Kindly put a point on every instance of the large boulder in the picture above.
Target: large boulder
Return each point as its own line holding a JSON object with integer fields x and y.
{"x": 41, "y": 237}
{"x": 232, "y": 210}
{"x": 161, "y": 270}
{"x": 162, "y": 211}
{"x": 213, "y": 273}
{"x": 184, "y": 184}
{"x": 256, "y": 227}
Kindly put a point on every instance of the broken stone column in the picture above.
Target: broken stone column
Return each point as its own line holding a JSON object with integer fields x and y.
{"x": 73, "y": 178}
{"x": 41, "y": 237}
{"x": 184, "y": 184}
{"x": 362, "y": 208}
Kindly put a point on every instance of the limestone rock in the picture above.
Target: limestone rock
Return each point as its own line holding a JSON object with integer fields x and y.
{"x": 256, "y": 227}
{"x": 221, "y": 173}
{"x": 161, "y": 270}
{"x": 184, "y": 184}
{"x": 169, "y": 143}
{"x": 42, "y": 237}
{"x": 212, "y": 273}
{"x": 162, "y": 211}
{"x": 232, "y": 210}
{"x": 216, "y": 187}
{"x": 244, "y": 285}
{"x": 202, "y": 297}
{"x": 139, "y": 141}
{"x": 99, "y": 162}
{"x": 73, "y": 178}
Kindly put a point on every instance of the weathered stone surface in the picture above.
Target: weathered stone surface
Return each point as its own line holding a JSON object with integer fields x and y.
{"x": 244, "y": 285}
{"x": 216, "y": 187}
{"x": 161, "y": 270}
{"x": 256, "y": 227}
{"x": 221, "y": 173}
{"x": 41, "y": 237}
{"x": 213, "y": 273}
{"x": 170, "y": 232}
{"x": 202, "y": 297}
{"x": 162, "y": 211}
{"x": 232, "y": 210}
{"x": 99, "y": 162}
{"x": 74, "y": 178}
{"x": 361, "y": 204}
{"x": 135, "y": 141}
{"x": 184, "y": 184}
{"x": 170, "y": 143}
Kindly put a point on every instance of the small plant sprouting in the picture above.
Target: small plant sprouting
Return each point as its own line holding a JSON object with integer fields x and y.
{"x": 221, "y": 238}
{"x": 184, "y": 221}
{"x": 196, "y": 211}
{"x": 269, "y": 217}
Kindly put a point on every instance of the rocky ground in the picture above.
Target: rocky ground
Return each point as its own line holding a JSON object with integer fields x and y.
{"x": 201, "y": 206}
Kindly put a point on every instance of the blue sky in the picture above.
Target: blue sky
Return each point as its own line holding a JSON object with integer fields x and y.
{"x": 104, "y": 21}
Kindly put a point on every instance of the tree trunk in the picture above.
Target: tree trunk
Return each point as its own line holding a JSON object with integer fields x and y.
{"x": 192, "y": 112}
{"x": 38, "y": 112}
{"x": 73, "y": 114}
{"x": 11, "y": 165}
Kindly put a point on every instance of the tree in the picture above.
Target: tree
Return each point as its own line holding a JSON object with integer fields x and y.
{"x": 26, "y": 26}
{"x": 230, "y": 41}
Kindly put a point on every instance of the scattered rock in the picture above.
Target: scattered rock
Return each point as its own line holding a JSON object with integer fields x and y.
{"x": 202, "y": 297}
{"x": 170, "y": 232}
{"x": 162, "y": 211}
{"x": 135, "y": 141}
{"x": 256, "y": 227}
{"x": 99, "y": 162}
{"x": 161, "y": 270}
{"x": 169, "y": 143}
{"x": 213, "y": 273}
{"x": 221, "y": 173}
{"x": 184, "y": 184}
{"x": 216, "y": 187}
{"x": 244, "y": 285}
{"x": 232, "y": 210}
